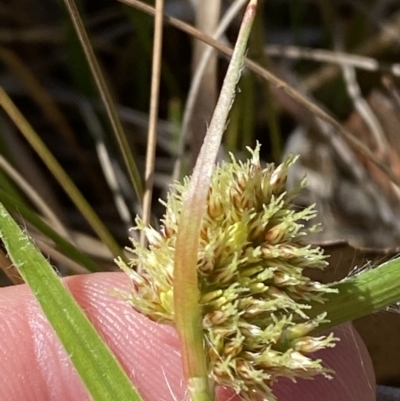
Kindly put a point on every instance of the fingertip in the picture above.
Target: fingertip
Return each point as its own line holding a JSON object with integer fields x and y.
{"x": 149, "y": 352}
{"x": 34, "y": 365}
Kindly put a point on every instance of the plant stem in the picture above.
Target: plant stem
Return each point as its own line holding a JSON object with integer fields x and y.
{"x": 106, "y": 97}
{"x": 188, "y": 315}
{"x": 360, "y": 295}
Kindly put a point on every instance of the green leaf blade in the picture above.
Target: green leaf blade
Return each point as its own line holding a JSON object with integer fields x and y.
{"x": 96, "y": 365}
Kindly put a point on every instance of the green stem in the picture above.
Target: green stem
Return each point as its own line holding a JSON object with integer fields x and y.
{"x": 360, "y": 295}
{"x": 188, "y": 315}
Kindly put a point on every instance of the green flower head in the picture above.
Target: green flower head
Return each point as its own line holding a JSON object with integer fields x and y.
{"x": 251, "y": 261}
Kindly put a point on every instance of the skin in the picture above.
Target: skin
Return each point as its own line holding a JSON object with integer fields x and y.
{"x": 34, "y": 366}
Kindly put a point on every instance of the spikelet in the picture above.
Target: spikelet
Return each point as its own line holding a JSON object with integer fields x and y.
{"x": 254, "y": 296}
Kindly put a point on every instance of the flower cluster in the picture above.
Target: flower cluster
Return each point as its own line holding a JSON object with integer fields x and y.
{"x": 254, "y": 295}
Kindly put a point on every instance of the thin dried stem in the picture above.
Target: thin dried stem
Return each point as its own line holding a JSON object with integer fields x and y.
{"x": 207, "y": 18}
{"x": 377, "y": 44}
{"x": 49, "y": 107}
{"x": 108, "y": 164}
{"x": 332, "y": 57}
{"x": 35, "y": 198}
{"x": 58, "y": 172}
{"x": 106, "y": 97}
{"x": 154, "y": 103}
{"x": 228, "y": 17}
{"x": 360, "y": 103}
{"x": 280, "y": 84}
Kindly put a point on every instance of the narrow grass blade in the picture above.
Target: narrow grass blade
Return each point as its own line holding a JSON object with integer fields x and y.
{"x": 62, "y": 245}
{"x": 106, "y": 98}
{"x": 98, "y": 368}
{"x": 62, "y": 177}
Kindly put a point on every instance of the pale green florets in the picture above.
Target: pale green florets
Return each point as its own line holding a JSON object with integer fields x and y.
{"x": 250, "y": 263}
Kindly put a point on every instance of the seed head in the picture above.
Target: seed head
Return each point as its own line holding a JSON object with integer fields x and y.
{"x": 254, "y": 295}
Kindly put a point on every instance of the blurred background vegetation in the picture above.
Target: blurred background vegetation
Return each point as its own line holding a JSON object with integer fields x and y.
{"x": 342, "y": 55}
